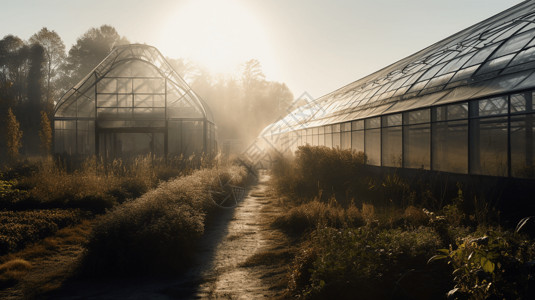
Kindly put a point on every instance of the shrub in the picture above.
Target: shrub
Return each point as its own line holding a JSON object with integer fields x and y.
{"x": 320, "y": 171}
{"x": 309, "y": 216}
{"x": 366, "y": 262}
{"x": 498, "y": 265}
{"x": 157, "y": 232}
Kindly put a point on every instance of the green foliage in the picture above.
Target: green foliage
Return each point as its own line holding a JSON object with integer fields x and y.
{"x": 365, "y": 261}
{"x": 494, "y": 266}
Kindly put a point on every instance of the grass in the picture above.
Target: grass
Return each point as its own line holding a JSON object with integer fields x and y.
{"x": 12, "y": 271}
{"x": 157, "y": 232}
{"x": 60, "y": 250}
{"x": 369, "y": 235}
{"x": 21, "y": 228}
{"x": 90, "y": 184}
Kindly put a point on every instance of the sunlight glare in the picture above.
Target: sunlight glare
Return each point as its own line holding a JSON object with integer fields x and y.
{"x": 219, "y": 35}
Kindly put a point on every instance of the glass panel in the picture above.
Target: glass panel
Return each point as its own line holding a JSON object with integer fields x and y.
{"x": 518, "y": 103}
{"x": 454, "y": 64}
{"x": 522, "y": 146}
{"x": 493, "y": 106}
{"x": 431, "y": 72}
{"x": 336, "y": 140}
{"x": 418, "y": 116}
{"x": 524, "y": 57}
{"x": 392, "y": 146}
{"x": 336, "y": 128}
{"x": 357, "y": 140}
{"x": 488, "y": 146}
{"x": 392, "y": 120}
{"x": 450, "y": 146}
{"x": 346, "y": 126}
{"x": 481, "y": 55}
{"x": 345, "y": 140}
{"x": 464, "y": 73}
{"x": 439, "y": 80}
{"x": 372, "y": 142}
{"x": 514, "y": 44}
{"x": 356, "y": 125}
{"x": 417, "y": 146}
{"x": 85, "y": 137}
{"x": 496, "y": 64}
{"x": 106, "y": 100}
{"x": 328, "y": 140}
{"x": 373, "y": 122}
{"x": 328, "y": 129}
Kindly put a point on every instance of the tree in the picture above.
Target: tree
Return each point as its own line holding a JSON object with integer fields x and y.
{"x": 14, "y": 135}
{"x": 13, "y": 67}
{"x": 45, "y": 133}
{"x": 54, "y": 50}
{"x": 90, "y": 49}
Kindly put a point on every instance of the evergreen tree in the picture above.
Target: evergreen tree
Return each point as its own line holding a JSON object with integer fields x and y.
{"x": 14, "y": 135}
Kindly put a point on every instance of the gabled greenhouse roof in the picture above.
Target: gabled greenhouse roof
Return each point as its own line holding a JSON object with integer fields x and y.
{"x": 494, "y": 56}
{"x": 79, "y": 100}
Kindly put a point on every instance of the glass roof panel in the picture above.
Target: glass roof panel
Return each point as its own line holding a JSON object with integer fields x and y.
{"x": 455, "y": 64}
{"x": 524, "y": 56}
{"x": 465, "y": 73}
{"x": 495, "y": 64}
{"x": 481, "y": 55}
{"x": 514, "y": 44}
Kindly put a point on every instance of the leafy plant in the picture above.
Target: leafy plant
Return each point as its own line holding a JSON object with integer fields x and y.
{"x": 490, "y": 266}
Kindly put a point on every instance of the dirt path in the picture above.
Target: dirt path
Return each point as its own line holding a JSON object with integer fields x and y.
{"x": 239, "y": 257}
{"x": 243, "y": 266}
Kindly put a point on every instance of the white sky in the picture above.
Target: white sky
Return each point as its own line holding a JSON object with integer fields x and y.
{"x": 311, "y": 45}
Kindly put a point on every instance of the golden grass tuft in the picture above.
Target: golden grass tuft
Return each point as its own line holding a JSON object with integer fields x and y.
{"x": 13, "y": 271}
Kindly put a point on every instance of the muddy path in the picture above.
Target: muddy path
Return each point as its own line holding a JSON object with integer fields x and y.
{"x": 239, "y": 257}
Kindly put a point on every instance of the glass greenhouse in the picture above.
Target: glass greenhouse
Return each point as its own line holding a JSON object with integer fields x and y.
{"x": 132, "y": 103}
{"x": 462, "y": 105}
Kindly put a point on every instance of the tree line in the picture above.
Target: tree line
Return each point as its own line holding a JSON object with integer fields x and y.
{"x": 34, "y": 74}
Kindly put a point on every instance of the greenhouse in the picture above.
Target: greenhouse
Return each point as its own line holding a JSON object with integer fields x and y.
{"x": 133, "y": 103}
{"x": 462, "y": 105}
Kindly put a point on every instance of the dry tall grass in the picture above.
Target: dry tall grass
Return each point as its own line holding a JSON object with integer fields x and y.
{"x": 156, "y": 233}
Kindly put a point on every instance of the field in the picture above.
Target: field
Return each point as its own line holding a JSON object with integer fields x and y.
{"x": 336, "y": 226}
{"x": 102, "y": 217}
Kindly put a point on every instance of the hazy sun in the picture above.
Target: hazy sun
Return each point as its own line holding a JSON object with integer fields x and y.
{"x": 220, "y": 35}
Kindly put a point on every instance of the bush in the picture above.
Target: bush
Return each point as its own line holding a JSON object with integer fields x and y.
{"x": 320, "y": 171}
{"x": 499, "y": 265}
{"x": 366, "y": 263}
{"x": 308, "y": 216}
{"x": 157, "y": 232}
